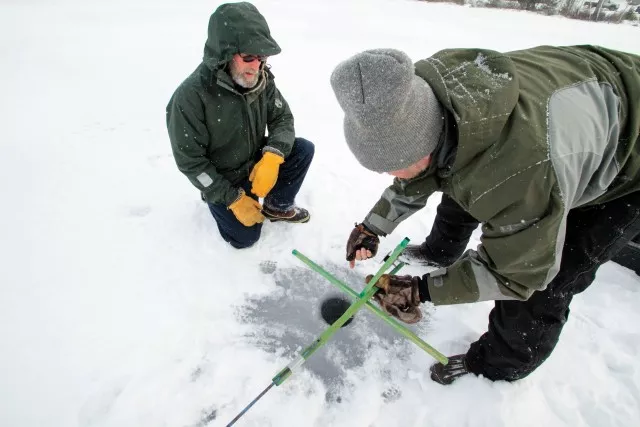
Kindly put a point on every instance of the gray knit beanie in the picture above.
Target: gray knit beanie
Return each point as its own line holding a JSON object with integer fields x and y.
{"x": 392, "y": 117}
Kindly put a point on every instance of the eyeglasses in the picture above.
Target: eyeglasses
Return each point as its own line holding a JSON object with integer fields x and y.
{"x": 251, "y": 58}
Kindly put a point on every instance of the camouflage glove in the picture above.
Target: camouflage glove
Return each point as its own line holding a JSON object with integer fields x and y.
{"x": 399, "y": 296}
{"x": 359, "y": 238}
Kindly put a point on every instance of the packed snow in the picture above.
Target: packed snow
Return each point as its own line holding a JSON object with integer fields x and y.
{"x": 120, "y": 304}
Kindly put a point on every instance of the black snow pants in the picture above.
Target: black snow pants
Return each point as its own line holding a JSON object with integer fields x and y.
{"x": 522, "y": 334}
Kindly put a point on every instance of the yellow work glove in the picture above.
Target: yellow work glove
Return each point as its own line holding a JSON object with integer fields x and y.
{"x": 247, "y": 210}
{"x": 265, "y": 173}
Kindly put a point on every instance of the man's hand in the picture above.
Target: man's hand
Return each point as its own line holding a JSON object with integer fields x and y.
{"x": 362, "y": 244}
{"x": 399, "y": 296}
{"x": 265, "y": 173}
{"x": 247, "y": 210}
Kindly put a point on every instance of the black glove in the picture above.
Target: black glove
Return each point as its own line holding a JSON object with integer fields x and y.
{"x": 423, "y": 289}
{"x": 361, "y": 237}
{"x": 399, "y": 296}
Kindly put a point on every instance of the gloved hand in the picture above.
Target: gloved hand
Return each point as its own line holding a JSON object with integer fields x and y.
{"x": 399, "y": 296}
{"x": 247, "y": 210}
{"x": 265, "y": 173}
{"x": 359, "y": 238}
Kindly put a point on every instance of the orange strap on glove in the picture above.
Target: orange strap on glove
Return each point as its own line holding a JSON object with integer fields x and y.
{"x": 247, "y": 210}
{"x": 265, "y": 173}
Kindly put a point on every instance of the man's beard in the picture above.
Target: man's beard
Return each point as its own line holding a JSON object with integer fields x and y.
{"x": 241, "y": 79}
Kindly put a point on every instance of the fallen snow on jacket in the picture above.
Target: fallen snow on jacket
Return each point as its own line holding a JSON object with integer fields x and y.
{"x": 535, "y": 133}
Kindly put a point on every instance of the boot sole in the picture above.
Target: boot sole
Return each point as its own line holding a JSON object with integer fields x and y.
{"x": 301, "y": 221}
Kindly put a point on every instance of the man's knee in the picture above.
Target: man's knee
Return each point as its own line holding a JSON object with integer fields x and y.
{"x": 231, "y": 230}
{"x": 244, "y": 239}
{"x": 305, "y": 147}
{"x": 242, "y": 245}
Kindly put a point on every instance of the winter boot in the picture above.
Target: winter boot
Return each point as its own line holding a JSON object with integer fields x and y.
{"x": 446, "y": 374}
{"x": 295, "y": 215}
{"x": 421, "y": 255}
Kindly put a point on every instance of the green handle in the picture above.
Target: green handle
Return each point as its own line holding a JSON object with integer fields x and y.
{"x": 364, "y": 296}
{"x": 406, "y": 332}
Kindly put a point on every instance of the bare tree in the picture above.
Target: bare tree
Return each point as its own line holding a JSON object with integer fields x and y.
{"x": 533, "y": 4}
{"x": 570, "y": 7}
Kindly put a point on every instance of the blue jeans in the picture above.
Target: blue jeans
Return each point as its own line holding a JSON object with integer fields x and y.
{"x": 281, "y": 197}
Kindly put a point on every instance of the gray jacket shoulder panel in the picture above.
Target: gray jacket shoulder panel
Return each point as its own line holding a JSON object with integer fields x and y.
{"x": 583, "y": 133}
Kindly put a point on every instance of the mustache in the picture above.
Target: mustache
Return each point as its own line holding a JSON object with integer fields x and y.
{"x": 247, "y": 79}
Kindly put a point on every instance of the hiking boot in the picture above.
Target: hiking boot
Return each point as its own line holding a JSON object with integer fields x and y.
{"x": 418, "y": 255}
{"x": 295, "y": 215}
{"x": 446, "y": 374}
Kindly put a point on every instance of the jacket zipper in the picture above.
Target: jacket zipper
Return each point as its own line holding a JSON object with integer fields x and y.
{"x": 253, "y": 145}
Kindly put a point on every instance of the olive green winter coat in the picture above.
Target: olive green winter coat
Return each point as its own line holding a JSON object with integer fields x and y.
{"x": 531, "y": 135}
{"x": 217, "y": 130}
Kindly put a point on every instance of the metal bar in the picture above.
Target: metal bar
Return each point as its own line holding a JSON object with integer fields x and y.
{"x": 397, "y": 268}
{"x": 406, "y": 332}
{"x": 233, "y": 421}
{"x": 364, "y": 296}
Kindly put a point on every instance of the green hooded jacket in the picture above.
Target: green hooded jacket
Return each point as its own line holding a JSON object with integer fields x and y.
{"x": 529, "y": 136}
{"x": 217, "y": 130}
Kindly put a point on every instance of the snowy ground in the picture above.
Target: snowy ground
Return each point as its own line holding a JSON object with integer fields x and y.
{"x": 120, "y": 305}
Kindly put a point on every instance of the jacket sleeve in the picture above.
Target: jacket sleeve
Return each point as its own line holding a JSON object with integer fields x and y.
{"x": 397, "y": 203}
{"x": 279, "y": 121}
{"x": 189, "y": 140}
{"x": 519, "y": 254}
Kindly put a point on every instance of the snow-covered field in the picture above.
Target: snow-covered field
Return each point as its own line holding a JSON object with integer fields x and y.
{"x": 121, "y": 306}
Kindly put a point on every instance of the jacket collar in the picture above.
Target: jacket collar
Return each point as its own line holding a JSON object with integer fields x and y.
{"x": 223, "y": 79}
{"x": 445, "y": 153}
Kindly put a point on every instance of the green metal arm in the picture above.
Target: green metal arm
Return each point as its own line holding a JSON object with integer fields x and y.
{"x": 406, "y": 332}
{"x": 362, "y": 299}
{"x": 364, "y": 296}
